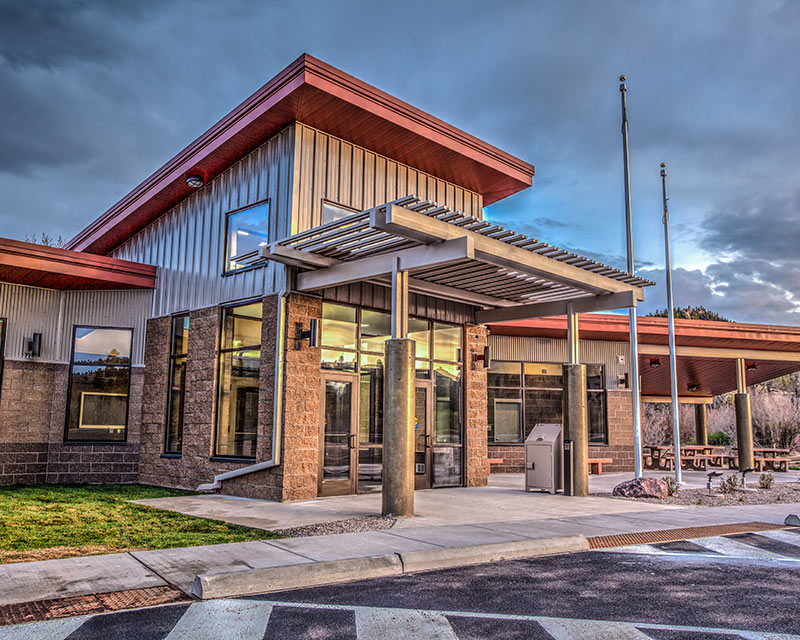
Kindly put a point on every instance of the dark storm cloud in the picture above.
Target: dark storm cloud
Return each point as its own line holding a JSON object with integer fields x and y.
{"x": 94, "y": 96}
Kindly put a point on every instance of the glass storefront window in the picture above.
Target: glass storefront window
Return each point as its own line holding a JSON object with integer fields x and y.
{"x": 505, "y": 415}
{"x": 447, "y": 392}
{"x": 339, "y": 327}
{"x": 543, "y": 376}
{"x": 542, "y": 405}
{"x": 419, "y": 332}
{"x": 370, "y": 422}
{"x": 247, "y": 232}
{"x": 503, "y": 374}
{"x": 446, "y": 342}
{"x": 177, "y": 384}
{"x": 340, "y": 360}
{"x": 99, "y": 380}
{"x": 239, "y": 369}
{"x": 376, "y": 328}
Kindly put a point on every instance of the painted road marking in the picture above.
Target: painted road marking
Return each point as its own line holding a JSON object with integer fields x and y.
{"x": 212, "y": 619}
{"x": 564, "y": 629}
{"x": 50, "y": 629}
{"x": 734, "y": 548}
{"x": 402, "y": 624}
{"x": 782, "y": 536}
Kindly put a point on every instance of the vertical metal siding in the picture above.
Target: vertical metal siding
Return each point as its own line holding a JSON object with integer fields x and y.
{"x": 187, "y": 243}
{"x": 335, "y": 170}
{"x": 552, "y": 350}
{"x": 52, "y": 313}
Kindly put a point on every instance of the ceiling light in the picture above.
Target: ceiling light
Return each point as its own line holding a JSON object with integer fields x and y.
{"x": 692, "y": 387}
{"x": 195, "y": 182}
{"x": 655, "y": 363}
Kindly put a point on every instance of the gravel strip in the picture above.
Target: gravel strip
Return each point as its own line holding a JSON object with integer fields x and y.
{"x": 351, "y": 525}
{"x": 786, "y": 492}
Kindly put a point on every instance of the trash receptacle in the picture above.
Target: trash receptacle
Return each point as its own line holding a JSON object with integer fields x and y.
{"x": 543, "y": 458}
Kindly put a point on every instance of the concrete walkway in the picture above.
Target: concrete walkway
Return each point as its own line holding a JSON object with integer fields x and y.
{"x": 503, "y": 500}
{"x": 30, "y": 581}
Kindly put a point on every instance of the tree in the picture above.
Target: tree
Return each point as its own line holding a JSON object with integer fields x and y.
{"x": 689, "y": 313}
{"x": 776, "y": 417}
{"x": 46, "y": 240}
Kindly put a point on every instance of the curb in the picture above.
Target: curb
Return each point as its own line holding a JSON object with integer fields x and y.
{"x": 295, "y": 576}
{"x": 240, "y": 583}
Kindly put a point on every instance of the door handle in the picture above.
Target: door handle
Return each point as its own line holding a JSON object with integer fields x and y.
{"x": 427, "y": 440}
{"x": 352, "y": 440}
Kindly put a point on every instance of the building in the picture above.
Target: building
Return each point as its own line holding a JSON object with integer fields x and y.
{"x": 225, "y": 323}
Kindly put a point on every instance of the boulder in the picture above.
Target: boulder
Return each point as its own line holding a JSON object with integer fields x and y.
{"x": 641, "y": 488}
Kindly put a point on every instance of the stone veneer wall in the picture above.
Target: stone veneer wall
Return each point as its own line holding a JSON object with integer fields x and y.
{"x": 196, "y": 464}
{"x": 619, "y": 447}
{"x": 475, "y": 396}
{"x": 33, "y": 405}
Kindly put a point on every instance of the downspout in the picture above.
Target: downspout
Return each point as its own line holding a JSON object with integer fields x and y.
{"x": 277, "y": 416}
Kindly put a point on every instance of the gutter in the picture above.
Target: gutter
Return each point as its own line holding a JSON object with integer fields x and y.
{"x": 277, "y": 416}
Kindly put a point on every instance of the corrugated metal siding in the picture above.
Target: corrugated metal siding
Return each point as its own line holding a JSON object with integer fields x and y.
{"x": 335, "y": 170}
{"x": 30, "y": 310}
{"x": 187, "y": 243}
{"x": 552, "y": 350}
{"x": 365, "y": 294}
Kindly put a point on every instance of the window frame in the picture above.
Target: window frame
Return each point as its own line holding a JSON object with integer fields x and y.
{"x": 217, "y": 378}
{"x": 171, "y": 358}
{"x": 129, "y": 366}
{"x": 333, "y": 203}
{"x": 226, "y": 236}
{"x": 523, "y": 387}
{"x": 3, "y": 323}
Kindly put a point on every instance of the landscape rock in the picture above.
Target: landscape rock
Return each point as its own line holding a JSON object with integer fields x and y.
{"x": 641, "y": 488}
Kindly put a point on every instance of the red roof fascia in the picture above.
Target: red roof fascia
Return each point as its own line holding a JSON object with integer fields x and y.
{"x": 317, "y": 94}
{"x": 701, "y": 333}
{"x": 52, "y": 268}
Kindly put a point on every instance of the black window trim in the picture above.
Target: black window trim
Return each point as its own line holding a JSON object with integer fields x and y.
{"x": 3, "y": 323}
{"x": 229, "y": 272}
{"x": 171, "y": 358}
{"x": 129, "y": 366}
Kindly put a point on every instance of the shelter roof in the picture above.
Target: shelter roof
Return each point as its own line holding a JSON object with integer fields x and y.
{"x": 317, "y": 94}
{"x": 52, "y": 268}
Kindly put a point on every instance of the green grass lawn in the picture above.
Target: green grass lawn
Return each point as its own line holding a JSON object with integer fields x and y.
{"x": 41, "y": 522}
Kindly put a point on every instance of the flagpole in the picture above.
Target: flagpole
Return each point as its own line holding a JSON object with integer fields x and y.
{"x": 673, "y": 369}
{"x": 634, "y": 365}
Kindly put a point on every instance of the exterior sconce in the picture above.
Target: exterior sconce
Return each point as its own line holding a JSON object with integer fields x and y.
{"x": 33, "y": 346}
{"x": 311, "y": 334}
{"x": 485, "y": 357}
{"x": 195, "y": 182}
{"x": 655, "y": 363}
{"x": 751, "y": 366}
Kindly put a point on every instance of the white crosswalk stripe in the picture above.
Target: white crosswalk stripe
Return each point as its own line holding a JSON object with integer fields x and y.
{"x": 734, "y": 548}
{"x": 402, "y": 624}
{"x": 782, "y": 536}
{"x": 229, "y": 619}
{"x": 564, "y": 629}
{"x": 50, "y": 629}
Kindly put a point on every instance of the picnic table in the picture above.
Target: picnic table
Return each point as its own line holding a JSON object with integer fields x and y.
{"x": 764, "y": 458}
{"x": 692, "y": 456}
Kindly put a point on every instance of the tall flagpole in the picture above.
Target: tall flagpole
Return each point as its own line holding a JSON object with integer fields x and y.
{"x": 637, "y": 413}
{"x": 673, "y": 370}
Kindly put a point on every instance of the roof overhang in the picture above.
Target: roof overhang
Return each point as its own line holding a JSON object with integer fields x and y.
{"x": 48, "y": 267}
{"x": 317, "y": 94}
{"x": 452, "y": 256}
{"x": 706, "y": 350}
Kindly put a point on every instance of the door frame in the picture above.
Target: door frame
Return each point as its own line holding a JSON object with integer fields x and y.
{"x": 349, "y": 485}
{"x": 425, "y": 481}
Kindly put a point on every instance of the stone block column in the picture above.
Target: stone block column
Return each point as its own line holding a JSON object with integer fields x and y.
{"x": 475, "y": 409}
{"x": 398, "y": 428}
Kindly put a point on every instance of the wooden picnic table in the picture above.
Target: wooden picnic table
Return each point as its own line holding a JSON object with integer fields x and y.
{"x": 764, "y": 458}
{"x": 694, "y": 456}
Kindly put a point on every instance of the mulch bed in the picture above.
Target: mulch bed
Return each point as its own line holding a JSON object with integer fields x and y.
{"x": 781, "y": 492}
{"x": 351, "y": 525}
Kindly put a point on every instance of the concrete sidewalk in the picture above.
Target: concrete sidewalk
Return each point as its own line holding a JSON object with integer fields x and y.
{"x": 31, "y": 581}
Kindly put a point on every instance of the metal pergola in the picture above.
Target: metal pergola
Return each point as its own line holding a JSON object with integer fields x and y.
{"x": 446, "y": 254}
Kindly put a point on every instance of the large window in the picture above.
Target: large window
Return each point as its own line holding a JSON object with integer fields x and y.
{"x": 179, "y": 350}
{"x": 100, "y": 373}
{"x": 247, "y": 230}
{"x": 239, "y": 366}
{"x": 2, "y": 350}
{"x": 522, "y": 394}
{"x": 332, "y": 212}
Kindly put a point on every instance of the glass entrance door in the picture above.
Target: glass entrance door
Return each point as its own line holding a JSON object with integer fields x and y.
{"x": 337, "y": 465}
{"x": 423, "y": 412}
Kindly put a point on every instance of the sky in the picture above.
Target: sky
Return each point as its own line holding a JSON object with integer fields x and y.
{"x": 95, "y": 96}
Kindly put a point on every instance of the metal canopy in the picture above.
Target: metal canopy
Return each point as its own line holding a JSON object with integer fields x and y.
{"x": 450, "y": 255}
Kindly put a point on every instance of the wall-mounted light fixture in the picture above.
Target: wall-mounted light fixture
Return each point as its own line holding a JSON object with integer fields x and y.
{"x": 195, "y": 181}
{"x": 655, "y": 363}
{"x": 33, "y": 346}
{"x": 692, "y": 387}
{"x": 485, "y": 357}
{"x": 311, "y": 334}
{"x": 751, "y": 366}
